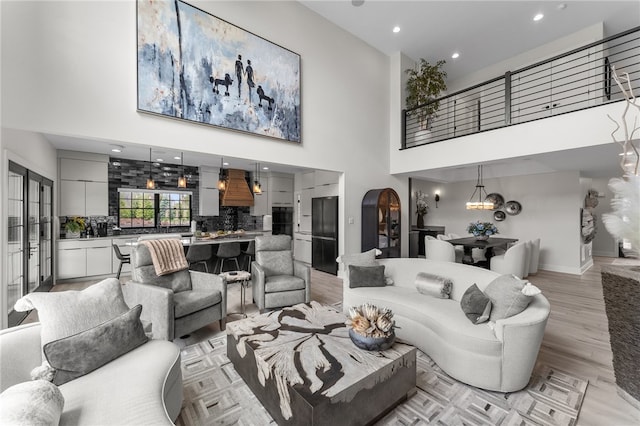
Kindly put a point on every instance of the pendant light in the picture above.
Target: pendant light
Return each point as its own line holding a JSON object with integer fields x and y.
{"x": 481, "y": 204}
{"x": 182, "y": 179}
{"x": 257, "y": 188}
{"x": 222, "y": 181}
{"x": 150, "y": 183}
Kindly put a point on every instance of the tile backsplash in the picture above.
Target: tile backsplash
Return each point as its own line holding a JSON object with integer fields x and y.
{"x": 125, "y": 173}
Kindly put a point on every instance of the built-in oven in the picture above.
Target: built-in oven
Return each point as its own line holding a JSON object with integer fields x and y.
{"x": 282, "y": 220}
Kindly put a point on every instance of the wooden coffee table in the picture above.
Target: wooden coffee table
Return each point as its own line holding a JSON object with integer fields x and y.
{"x": 302, "y": 366}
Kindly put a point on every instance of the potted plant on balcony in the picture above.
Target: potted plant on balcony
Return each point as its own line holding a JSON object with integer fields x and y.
{"x": 74, "y": 226}
{"x": 424, "y": 85}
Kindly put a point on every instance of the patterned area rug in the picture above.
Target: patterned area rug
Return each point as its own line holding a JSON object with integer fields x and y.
{"x": 214, "y": 394}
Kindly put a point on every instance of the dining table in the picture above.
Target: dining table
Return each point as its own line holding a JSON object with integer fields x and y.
{"x": 469, "y": 243}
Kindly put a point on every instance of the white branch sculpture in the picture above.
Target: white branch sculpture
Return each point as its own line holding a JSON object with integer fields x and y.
{"x": 629, "y": 147}
{"x": 624, "y": 221}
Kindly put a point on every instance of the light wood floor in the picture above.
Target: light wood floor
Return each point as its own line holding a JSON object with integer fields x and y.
{"x": 576, "y": 339}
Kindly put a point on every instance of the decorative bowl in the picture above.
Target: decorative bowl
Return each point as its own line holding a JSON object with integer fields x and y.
{"x": 482, "y": 237}
{"x": 372, "y": 343}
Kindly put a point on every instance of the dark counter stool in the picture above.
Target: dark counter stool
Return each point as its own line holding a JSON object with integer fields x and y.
{"x": 123, "y": 258}
{"x": 228, "y": 251}
{"x": 199, "y": 254}
{"x": 249, "y": 255}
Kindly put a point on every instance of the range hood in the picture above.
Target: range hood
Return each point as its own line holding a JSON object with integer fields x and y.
{"x": 237, "y": 192}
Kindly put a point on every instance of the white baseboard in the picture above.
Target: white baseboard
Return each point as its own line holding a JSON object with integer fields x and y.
{"x": 562, "y": 269}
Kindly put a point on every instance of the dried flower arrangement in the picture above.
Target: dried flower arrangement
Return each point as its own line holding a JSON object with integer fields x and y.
{"x": 370, "y": 321}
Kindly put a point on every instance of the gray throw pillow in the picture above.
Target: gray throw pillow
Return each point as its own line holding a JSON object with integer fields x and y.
{"x": 506, "y": 297}
{"x": 366, "y": 276}
{"x": 65, "y": 313}
{"x": 367, "y": 258}
{"x": 80, "y": 354}
{"x": 433, "y": 285}
{"x": 31, "y": 403}
{"x": 476, "y": 305}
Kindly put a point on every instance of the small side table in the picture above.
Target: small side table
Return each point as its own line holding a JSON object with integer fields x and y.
{"x": 243, "y": 278}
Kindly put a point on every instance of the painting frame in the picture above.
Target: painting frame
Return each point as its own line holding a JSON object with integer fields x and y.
{"x": 196, "y": 67}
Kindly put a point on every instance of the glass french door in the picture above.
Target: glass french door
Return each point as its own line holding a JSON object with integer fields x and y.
{"x": 30, "y": 231}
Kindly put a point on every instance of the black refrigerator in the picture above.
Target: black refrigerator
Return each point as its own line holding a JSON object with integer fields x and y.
{"x": 324, "y": 234}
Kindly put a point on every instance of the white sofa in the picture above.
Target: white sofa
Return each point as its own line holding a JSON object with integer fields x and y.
{"x": 143, "y": 386}
{"x": 501, "y": 359}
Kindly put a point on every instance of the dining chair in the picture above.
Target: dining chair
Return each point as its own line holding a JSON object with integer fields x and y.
{"x": 439, "y": 250}
{"x": 459, "y": 250}
{"x": 512, "y": 261}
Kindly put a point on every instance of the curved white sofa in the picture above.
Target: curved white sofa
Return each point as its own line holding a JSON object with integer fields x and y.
{"x": 501, "y": 359}
{"x": 143, "y": 386}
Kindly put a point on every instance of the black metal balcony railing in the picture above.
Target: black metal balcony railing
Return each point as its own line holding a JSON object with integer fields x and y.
{"x": 572, "y": 81}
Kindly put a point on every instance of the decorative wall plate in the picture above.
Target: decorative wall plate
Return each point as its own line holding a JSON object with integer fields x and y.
{"x": 513, "y": 207}
{"x": 499, "y": 216}
{"x": 496, "y": 199}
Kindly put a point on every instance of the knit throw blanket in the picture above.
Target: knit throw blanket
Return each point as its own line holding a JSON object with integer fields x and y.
{"x": 167, "y": 255}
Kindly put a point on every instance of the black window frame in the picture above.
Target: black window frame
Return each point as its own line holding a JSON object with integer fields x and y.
{"x": 157, "y": 210}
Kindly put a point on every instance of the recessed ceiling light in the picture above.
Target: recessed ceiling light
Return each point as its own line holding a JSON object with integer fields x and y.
{"x": 159, "y": 160}
{"x": 455, "y": 55}
{"x": 562, "y": 6}
{"x": 396, "y": 29}
{"x": 225, "y": 164}
{"x": 538, "y": 17}
{"x": 117, "y": 148}
{"x": 265, "y": 168}
{"x": 177, "y": 157}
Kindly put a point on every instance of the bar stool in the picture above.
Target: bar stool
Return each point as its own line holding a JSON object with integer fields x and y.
{"x": 249, "y": 255}
{"x": 199, "y": 254}
{"x": 124, "y": 258}
{"x": 228, "y": 251}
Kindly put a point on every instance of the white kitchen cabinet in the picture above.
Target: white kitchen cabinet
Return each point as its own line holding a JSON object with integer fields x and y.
{"x": 99, "y": 261}
{"x": 209, "y": 195}
{"x": 209, "y": 202}
{"x": 302, "y": 247}
{"x": 86, "y": 170}
{"x": 84, "y": 258}
{"x": 79, "y": 198}
{"x": 84, "y": 188}
{"x": 72, "y": 263}
{"x": 308, "y": 180}
{"x": 280, "y": 190}
{"x": 322, "y": 177}
{"x": 261, "y": 205}
{"x": 96, "y": 199}
{"x": 281, "y": 199}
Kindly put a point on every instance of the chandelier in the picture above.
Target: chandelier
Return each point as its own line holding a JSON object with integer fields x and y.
{"x": 481, "y": 203}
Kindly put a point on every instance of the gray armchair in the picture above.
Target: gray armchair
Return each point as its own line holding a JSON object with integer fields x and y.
{"x": 277, "y": 279}
{"x": 176, "y": 304}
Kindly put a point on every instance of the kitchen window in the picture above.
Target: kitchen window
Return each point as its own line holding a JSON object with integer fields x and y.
{"x": 174, "y": 209}
{"x": 152, "y": 209}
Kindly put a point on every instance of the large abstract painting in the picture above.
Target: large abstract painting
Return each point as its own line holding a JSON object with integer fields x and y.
{"x": 196, "y": 67}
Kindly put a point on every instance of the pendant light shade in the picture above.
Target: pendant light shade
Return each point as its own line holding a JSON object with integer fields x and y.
{"x": 150, "y": 183}
{"x": 182, "y": 179}
{"x": 479, "y": 203}
{"x": 257, "y": 188}
{"x": 222, "y": 181}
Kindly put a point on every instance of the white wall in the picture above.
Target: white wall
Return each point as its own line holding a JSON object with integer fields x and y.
{"x": 74, "y": 73}
{"x": 550, "y": 211}
{"x": 32, "y": 151}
